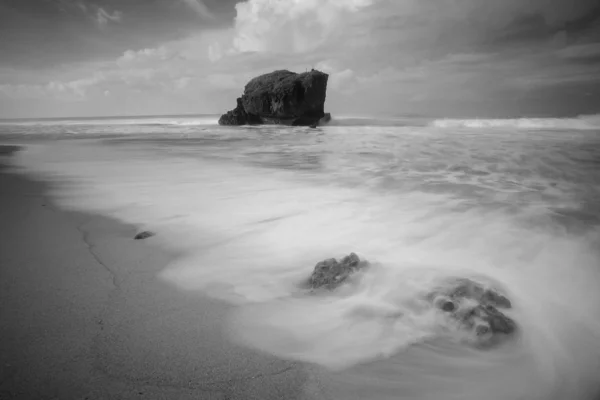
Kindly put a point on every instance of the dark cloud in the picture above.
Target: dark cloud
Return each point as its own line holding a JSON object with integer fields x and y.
{"x": 585, "y": 54}
{"x": 559, "y": 100}
{"x": 535, "y": 27}
{"x": 524, "y": 29}
{"x": 45, "y": 33}
{"x": 587, "y": 24}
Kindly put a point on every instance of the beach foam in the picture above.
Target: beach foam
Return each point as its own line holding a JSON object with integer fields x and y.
{"x": 583, "y": 122}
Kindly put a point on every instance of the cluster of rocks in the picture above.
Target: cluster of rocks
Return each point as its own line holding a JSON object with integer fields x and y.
{"x": 281, "y": 98}
{"x": 476, "y": 308}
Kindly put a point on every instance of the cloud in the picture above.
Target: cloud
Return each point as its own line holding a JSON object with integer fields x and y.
{"x": 384, "y": 29}
{"x": 200, "y": 8}
{"x": 340, "y": 79}
{"x": 558, "y": 74}
{"x": 144, "y": 56}
{"x": 457, "y": 55}
{"x": 22, "y": 91}
{"x": 73, "y": 90}
{"x": 226, "y": 81}
{"x": 103, "y": 17}
{"x": 586, "y": 53}
{"x": 95, "y": 13}
{"x": 291, "y": 26}
{"x": 214, "y": 52}
{"x": 182, "y": 83}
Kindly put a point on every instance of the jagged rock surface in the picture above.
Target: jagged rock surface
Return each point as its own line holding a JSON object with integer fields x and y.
{"x": 330, "y": 273}
{"x": 477, "y": 309}
{"x": 281, "y": 97}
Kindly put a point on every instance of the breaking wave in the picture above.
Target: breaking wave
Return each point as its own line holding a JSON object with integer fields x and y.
{"x": 151, "y": 124}
{"x": 583, "y": 122}
{"x": 377, "y": 121}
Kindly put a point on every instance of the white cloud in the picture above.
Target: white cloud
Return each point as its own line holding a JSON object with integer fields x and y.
{"x": 227, "y": 81}
{"x": 92, "y": 11}
{"x": 580, "y": 51}
{"x": 103, "y": 17}
{"x": 200, "y": 8}
{"x": 22, "y": 91}
{"x": 181, "y": 83}
{"x": 72, "y": 90}
{"x": 337, "y": 80}
{"x": 137, "y": 78}
{"x": 384, "y": 76}
{"x": 174, "y": 67}
{"x": 76, "y": 89}
{"x": 214, "y": 52}
{"x": 131, "y": 57}
{"x": 289, "y": 26}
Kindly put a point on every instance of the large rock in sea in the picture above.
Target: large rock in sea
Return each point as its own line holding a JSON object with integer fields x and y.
{"x": 283, "y": 98}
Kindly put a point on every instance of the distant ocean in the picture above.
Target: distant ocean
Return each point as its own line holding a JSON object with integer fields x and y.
{"x": 513, "y": 202}
{"x": 76, "y": 125}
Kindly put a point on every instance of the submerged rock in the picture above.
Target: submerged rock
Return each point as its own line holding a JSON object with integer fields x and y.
{"x": 330, "y": 273}
{"x": 281, "y": 98}
{"x": 144, "y": 235}
{"x": 477, "y": 309}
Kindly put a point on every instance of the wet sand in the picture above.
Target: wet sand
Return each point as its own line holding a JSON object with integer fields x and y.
{"x": 84, "y": 315}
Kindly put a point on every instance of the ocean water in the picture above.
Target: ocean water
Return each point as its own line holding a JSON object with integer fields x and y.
{"x": 251, "y": 210}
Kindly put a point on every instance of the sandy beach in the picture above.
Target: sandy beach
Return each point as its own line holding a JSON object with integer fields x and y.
{"x": 84, "y": 315}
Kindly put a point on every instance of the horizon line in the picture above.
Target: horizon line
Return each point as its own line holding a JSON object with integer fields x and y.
{"x": 188, "y": 115}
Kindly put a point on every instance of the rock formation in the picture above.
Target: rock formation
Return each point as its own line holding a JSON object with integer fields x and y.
{"x": 476, "y": 309}
{"x": 144, "y": 235}
{"x": 330, "y": 273}
{"x": 283, "y": 98}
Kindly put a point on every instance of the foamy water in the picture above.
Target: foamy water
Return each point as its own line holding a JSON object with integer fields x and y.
{"x": 252, "y": 210}
{"x": 582, "y": 122}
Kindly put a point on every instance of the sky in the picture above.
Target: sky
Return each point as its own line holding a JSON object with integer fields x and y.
{"x": 441, "y": 58}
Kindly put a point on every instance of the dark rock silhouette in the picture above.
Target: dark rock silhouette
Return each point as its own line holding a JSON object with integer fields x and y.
{"x": 238, "y": 116}
{"x": 144, "y": 235}
{"x": 477, "y": 309}
{"x": 281, "y": 98}
{"x": 330, "y": 273}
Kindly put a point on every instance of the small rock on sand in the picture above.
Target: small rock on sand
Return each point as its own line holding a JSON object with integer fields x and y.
{"x": 144, "y": 235}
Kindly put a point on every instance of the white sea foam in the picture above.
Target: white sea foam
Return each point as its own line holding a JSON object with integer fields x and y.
{"x": 583, "y": 122}
{"x": 183, "y": 120}
{"x": 252, "y": 220}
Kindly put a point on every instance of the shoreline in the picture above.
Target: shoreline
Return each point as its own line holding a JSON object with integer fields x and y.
{"x": 85, "y": 315}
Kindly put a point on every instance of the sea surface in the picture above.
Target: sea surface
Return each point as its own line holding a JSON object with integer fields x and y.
{"x": 511, "y": 203}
